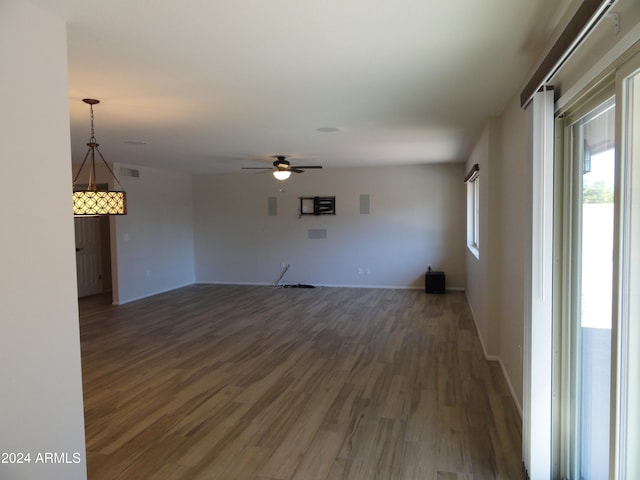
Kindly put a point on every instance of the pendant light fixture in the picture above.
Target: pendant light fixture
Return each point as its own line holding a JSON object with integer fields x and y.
{"x": 89, "y": 200}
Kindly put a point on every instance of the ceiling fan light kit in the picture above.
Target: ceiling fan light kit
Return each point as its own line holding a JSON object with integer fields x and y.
{"x": 89, "y": 200}
{"x": 281, "y": 174}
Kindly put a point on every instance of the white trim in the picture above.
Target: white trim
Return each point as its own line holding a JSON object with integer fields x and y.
{"x": 248, "y": 284}
{"x": 509, "y": 384}
{"x": 329, "y": 285}
{"x": 150, "y": 294}
{"x": 625, "y": 43}
{"x": 474, "y": 250}
{"x": 495, "y": 358}
{"x": 381, "y": 287}
{"x": 456, "y": 289}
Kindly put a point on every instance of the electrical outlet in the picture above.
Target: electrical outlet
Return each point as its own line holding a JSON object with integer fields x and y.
{"x": 283, "y": 264}
{"x": 360, "y": 271}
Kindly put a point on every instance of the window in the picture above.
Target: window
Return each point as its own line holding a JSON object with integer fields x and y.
{"x": 473, "y": 210}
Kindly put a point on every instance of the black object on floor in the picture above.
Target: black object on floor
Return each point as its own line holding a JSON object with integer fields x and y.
{"x": 434, "y": 282}
{"x": 298, "y": 285}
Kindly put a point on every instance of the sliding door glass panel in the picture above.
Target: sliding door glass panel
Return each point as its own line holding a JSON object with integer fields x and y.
{"x": 592, "y": 232}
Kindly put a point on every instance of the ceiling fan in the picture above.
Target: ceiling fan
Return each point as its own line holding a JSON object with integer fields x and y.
{"x": 282, "y": 168}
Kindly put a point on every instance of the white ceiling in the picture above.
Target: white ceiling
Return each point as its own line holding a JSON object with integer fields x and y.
{"x": 215, "y": 85}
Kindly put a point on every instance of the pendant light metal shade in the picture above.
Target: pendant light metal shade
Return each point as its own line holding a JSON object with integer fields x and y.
{"x": 89, "y": 199}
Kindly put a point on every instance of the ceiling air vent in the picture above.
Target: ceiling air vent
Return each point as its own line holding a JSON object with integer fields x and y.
{"x": 129, "y": 172}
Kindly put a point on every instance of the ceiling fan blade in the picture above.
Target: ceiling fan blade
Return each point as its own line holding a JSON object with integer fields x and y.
{"x": 296, "y": 170}
{"x": 308, "y": 166}
{"x": 256, "y": 168}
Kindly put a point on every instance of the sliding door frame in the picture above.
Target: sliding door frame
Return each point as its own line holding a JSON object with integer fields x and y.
{"x": 626, "y": 305}
{"x": 623, "y": 464}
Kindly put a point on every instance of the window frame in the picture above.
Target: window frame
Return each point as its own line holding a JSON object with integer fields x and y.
{"x": 472, "y": 181}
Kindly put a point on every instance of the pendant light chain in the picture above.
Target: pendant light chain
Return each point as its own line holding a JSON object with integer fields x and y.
{"x": 93, "y": 135}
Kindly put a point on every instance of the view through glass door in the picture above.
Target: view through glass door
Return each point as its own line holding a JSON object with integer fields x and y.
{"x": 592, "y": 234}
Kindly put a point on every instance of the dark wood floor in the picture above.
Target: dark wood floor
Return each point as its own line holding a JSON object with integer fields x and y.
{"x": 264, "y": 383}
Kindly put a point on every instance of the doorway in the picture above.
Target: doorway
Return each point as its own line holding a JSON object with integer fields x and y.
{"x": 93, "y": 255}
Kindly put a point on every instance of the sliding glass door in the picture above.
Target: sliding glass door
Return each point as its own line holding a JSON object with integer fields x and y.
{"x": 592, "y": 233}
{"x": 597, "y": 293}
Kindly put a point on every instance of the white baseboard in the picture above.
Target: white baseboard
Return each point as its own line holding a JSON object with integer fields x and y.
{"x": 496, "y": 358}
{"x": 509, "y": 384}
{"x": 151, "y": 294}
{"x": 329, "y": 285}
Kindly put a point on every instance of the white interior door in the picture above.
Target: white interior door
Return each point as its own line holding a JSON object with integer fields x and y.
{"x": 88, "y": 256}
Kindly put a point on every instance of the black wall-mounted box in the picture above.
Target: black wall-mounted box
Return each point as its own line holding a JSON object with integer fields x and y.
{"x": 434, "y": 282}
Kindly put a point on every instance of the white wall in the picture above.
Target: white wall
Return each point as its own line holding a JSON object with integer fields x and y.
{"x": 152, "y": 246}
{"x": 417, "y": 218}
{"x": 511, "y": 231}
{"x": 495, "y": 281}
{"x": 41, "y": 401}
{"x": 478, "y": 283}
